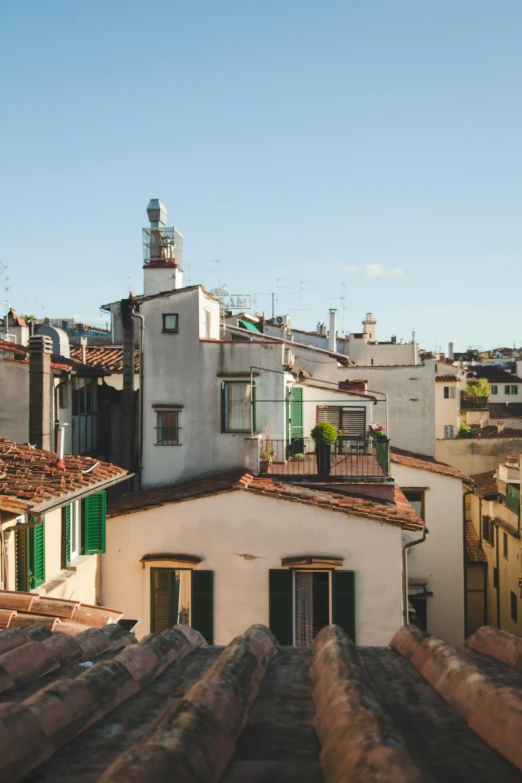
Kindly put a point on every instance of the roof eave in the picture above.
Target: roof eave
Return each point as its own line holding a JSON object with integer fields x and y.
{"x": 64, "y": 500}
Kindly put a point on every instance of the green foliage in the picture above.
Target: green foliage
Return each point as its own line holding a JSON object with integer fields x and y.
{"x": 324, "y": 433}
{"x": 28, "y": 318}
{"x": 478, "y": 388}
{"x": 464, "y": 431}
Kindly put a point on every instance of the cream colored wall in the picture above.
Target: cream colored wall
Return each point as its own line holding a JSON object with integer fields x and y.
{"x": 440, "y": 559}
{"x": 53, "y": 544}
{"x": 510, "y": 569}
{"x": 217, "y": 527}
{"x": 472, "y": 455}
{"x": 447, "y": 411}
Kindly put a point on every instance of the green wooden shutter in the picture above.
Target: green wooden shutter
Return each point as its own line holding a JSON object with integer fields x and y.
{"x": 36, "y": 555}
{"x": 280, "y": 604}
{"x": 297, "y": 412}
{"x": 94, "y": 509}
{"x": 223, "y": 407}
{"x": 202, "y": 607}
{"x": 66, "y": 536}
{"x": 160, "y": 599}
{"x": 21, "y": 560}
{"x": 343, "y": 594}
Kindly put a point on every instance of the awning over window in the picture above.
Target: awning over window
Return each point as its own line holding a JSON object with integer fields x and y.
{"x": 249, "y": 325}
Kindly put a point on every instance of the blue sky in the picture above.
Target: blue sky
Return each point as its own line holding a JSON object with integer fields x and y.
{"x": 288, "y": 139}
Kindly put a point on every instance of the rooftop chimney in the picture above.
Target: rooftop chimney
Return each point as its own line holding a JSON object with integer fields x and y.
{"x": 40, "y": 396}
{"x": 332, "y": 334}
{"x": 162, "y": 252}
{"x": 450, "y": 351}
{"x": 60, "y": 443}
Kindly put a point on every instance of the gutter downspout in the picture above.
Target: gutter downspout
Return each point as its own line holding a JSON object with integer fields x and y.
{"x": 405, "y": 572}
{"x": 140, "y": 398}
{"x": 464, "y": 495}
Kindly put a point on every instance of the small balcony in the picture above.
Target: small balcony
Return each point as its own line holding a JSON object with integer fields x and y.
{"x": 348, "y": 458}
{"x": 473, "y": 403}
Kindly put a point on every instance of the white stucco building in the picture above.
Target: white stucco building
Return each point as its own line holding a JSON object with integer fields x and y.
{"x": 435, "y": 567}
{"x": 231, "y": 550}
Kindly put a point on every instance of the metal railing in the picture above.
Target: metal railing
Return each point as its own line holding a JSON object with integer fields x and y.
{"x": 512, "y": 499}
{"x": 347, "y": 458}
{"x": 473, "y": 403}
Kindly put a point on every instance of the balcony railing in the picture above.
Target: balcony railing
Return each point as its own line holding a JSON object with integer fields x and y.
{"x": 473, "y": 403}
{"x": 512, "y": 499}
{"x": 347, "y": 458}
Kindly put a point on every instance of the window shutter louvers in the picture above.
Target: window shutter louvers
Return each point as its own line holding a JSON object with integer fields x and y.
{"x": 329, "y": 414}
{"x": 66, "y": 536}
{"x": 21, "y": 560}
{"x": 343, "y": 603}
{"x": 297, "y": 412}
{"x": 94, "y": 511}
{"x": 354, "y": 422}
{"x": 280, "y": 604}
{"x": 36, "y": 555}
{"x": 202, "y": 608}
{"x": 160, "y": 599}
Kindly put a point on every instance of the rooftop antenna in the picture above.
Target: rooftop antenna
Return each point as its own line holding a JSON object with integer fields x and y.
{"x": 129, "y": 282}
{"x": 280, "y": 290}
{"x": 3, "y": 269}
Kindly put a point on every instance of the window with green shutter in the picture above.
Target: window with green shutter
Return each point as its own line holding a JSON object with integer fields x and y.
{"x": 66, "y": 536}
{"x": 94, "y": 512}
{"x": 202, "y": 613}
{"x": 36, "y": 555}
{"x": 30, "y": 557}
{"x": 182, "y": 596}
{"x": 343, "y": 601}
{"x": 280, "y": 604}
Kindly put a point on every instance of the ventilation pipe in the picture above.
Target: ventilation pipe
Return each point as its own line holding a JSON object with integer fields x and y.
{"x": 450, "y": 351}
{"x": 60, "y": 443}
{"x": 332, "y": 334}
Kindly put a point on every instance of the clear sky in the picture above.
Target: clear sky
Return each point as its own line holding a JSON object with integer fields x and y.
{"x": 288, "y": 139}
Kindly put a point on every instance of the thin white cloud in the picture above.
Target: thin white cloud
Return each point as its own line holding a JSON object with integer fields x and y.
{"x": 373, "y": 270}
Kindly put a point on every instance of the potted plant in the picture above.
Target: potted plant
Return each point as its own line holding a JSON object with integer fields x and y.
{"x": 266, "y": 451}
{"x": 378, "y": 432}
{"x": 324, "y": 436}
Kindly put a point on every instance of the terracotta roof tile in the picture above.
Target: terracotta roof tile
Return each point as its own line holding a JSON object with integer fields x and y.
{"x": 171, "y": 707}
{"x": 29, "y": 474}
{"x": 491, "y": 431}
{"x": 106, "y": 357}
{"x": 399, "y": 512}
{"x": 485, "y": 483}
{"x": 446, "y": 378}
{"x": 504, "y": 410}
{"x": 474, "y": 551}
{"x": 421, "y": 462}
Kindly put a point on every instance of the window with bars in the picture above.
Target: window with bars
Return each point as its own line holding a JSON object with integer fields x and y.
{"x": 168, "y": 428}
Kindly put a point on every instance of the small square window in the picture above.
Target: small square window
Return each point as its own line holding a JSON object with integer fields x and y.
{"x": 170, "y": 322}
{"x": 416, "y": 499}
{"x": 167, "y": 428}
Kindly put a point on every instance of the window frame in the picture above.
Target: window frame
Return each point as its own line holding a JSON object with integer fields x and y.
{"x": 448, "y": 427}
{"x": 76, "y": 530}
{"x": 294, "y": 571}
{"x": 224, "y": 407}
{"x": 505, "y": 546}
{"x": 494, "y": 389}
{"x": 160, "y": 427}
{"x": 511, "y": 389}
{"x": 422, "y": 493}
{"x": 168, "y": 330}
{"x": 153, "y": 570}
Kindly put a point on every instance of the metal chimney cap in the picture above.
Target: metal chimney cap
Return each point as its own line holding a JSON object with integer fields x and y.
{"x": 157, "y": 212}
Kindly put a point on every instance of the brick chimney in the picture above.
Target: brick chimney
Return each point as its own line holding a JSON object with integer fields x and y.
{"x": 40, "y": 395}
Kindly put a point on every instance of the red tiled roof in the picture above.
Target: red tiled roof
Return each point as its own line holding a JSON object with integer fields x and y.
{"x": 30, "y": 475}
{"x": 58, "y": 362}
{"x": 446, "y": 378}
{"x": 474, "y": 551}
{"x": 25, "y": 610}
{"x": 485, "y": 483}
{"x": 107, "y": 357}
{"x": 491, "y": 431}
{"x": 421, "y": 462}
{"x": 400, "y": 512}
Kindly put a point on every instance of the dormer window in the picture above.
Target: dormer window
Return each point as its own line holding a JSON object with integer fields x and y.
{"x": 170, "y": 323}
